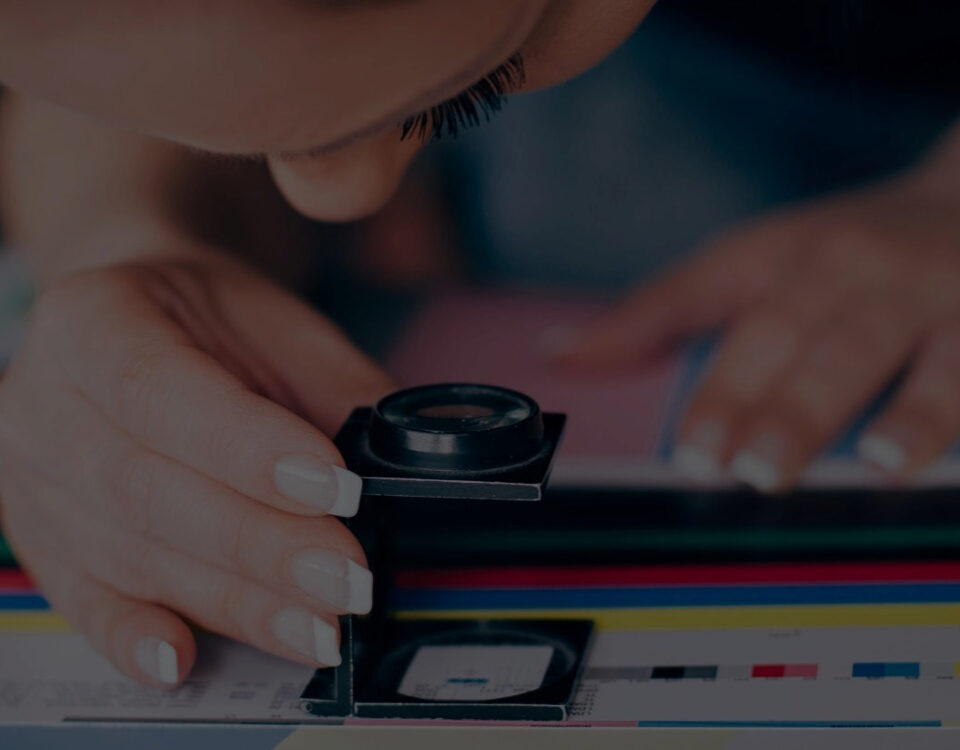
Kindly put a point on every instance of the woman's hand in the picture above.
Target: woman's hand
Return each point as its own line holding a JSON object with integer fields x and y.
{"x": 165, "y": 459}
{"x": 821, "y": 307}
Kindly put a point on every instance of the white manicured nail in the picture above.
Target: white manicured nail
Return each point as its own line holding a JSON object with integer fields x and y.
{"x": 759, "y": 473}
{"x": 335, "y": 579}
{"x": 158, "y": 659}
{"x": 308, "y": 635}
{"x": 882, "y": 451}
{"x": 308, "y": 480}
{"x": 697, "y": 454}
{"x": 696, "y": 463}
{"x": 759, "y": 464}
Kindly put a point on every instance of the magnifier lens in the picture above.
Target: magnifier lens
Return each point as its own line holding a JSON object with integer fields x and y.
{"x": 456, "y": 426}
{"x": 455, "y": 411}
{"x": 456, "y": 408}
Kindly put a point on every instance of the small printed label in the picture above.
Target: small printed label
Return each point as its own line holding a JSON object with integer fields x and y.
{"x": 475, "y": 673}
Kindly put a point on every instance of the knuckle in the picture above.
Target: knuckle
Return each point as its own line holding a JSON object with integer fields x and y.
{"x": 937, "y": 393}
{"x": 234, "y": 536}
{"x": 134, "y": 485}
{"x": 230, "y": 610}
{"x": 129, "y": 568}
{"x": 64, "y": 301}
{"x": 794, "y": 418}
{"x": 757, "y": 348}
{"x": 945, "y": 350}
{"x": 801, "y": 412}
{"x": 808, "y": 402}
{"x": 146, "y": 384}
{"x": 232, "y": 434}
{"x": 872, "y": 333}
{"x": 338, "y": 537}
{"x": 138, "y": 382}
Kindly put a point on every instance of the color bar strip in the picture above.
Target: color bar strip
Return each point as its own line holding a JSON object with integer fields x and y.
{"x": 667, "y": 673}
{"x": 910, "y": 670}
{"x": 26, "y": 622}
{"x": 22, "y": 602}
{"x": 784, "y": 670}
{"x": 674, "y": 596}
{"x": 6, "y": 554}
{"x": 12, "y": 579}
{"x": 698, "y": 618}
{"x": 768, "y": 670}
{"x": 642, "y": 575}
{"x": 806, "y": 671}
{"x": 464, "y": 542}
{"x": 697, "y": 672}
{"x": 886, "y": 669}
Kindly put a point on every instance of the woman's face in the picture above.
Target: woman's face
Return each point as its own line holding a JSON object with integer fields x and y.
{"x": 318, "y": 87}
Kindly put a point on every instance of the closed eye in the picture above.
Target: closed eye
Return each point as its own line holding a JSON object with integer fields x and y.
{"x": 478, "y": 104}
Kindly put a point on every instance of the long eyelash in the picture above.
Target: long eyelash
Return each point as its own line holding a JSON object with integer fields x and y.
{"x": 482, "y": 100}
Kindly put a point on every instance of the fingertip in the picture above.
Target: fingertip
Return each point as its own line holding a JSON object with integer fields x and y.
{"x": 149, "y": 644}
{"x": 315, "y": 486}
{"x": 883, "y": 452}
{"x": 162, "y": 653}
{"x": 765, "y": 461}
{"x": 158, "y": 660}
{"x": 308, "y": 636}
{"x": 756, "y": 472}
{"x": 696, "y": 463}
{"x": 349, "y": 492}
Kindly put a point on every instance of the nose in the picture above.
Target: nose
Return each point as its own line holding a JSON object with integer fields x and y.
{"x": 348, "y": 182}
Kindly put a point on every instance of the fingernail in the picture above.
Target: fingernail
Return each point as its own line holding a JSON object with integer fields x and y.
{"x": 882, "y": 451}
{"x": 559, "y": 340}
{"x": 308, "y": 635}
{"x": 308, "y": 480}
{"x": 759, "y": 465}
{"x": 697, "y": 454}
{"x": 335, "y": 579}
{"x": 158, "y": 659}
{"x": 695, "y": 463}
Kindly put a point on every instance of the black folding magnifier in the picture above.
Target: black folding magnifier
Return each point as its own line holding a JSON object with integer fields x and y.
{"x": 462, "y": 442}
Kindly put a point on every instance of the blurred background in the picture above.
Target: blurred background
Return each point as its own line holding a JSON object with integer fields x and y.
{"x": 710, "y": 114}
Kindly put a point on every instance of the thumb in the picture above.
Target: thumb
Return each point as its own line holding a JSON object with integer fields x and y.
{"x": 324, "y": 374}
{"x": 703, "y": 293}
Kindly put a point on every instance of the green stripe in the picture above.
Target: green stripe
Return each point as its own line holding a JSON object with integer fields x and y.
{"x": 682, "y": 539}
{"x": 769, "y": 539}
{"x": 6, "y": 554}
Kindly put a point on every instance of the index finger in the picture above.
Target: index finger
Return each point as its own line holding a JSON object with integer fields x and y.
{"x": 182, "y": 403}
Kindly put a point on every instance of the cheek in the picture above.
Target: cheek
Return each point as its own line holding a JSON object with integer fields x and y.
{"x": 349, "y": 183}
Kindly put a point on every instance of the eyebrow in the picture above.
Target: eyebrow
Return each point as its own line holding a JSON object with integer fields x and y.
{"x": 446, "y": 89}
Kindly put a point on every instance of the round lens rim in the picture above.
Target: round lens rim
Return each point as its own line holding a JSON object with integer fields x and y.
{"x": 452, "y": 444}
{"x": 507, "y": 407}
